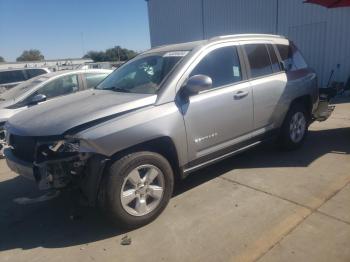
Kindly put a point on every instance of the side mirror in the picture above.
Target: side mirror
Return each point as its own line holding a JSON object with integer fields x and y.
{"x": 197, "y": 83}
{"x": 37, "y": 99}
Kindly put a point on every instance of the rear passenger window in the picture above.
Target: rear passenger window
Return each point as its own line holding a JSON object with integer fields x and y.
{"x": 11, "y": 76}
{"x": 34, "y": 72}
{"x": 274, "y": 60}
{"x": 291, "y": 56}
{"x": 92, "y": 80}
{"x": 259, "y": 60}
{"x": 221, "y": 65}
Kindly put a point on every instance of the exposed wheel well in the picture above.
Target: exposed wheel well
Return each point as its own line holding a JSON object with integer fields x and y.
{"x": 306, "y": 101}
{"x": 162, "y": 145}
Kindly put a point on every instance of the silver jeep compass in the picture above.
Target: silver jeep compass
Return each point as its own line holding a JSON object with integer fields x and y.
{"x": 169, "y": 111}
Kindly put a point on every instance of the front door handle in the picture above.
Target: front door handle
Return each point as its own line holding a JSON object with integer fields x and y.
{"x": 240, "y": 94}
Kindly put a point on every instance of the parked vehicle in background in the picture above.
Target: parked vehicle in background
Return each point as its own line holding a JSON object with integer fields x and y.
{"x": 12, "y": 77}
{"x": 101, "y": 65}
{"x": 164, "y": 114}
{"x": 46, "y": 87}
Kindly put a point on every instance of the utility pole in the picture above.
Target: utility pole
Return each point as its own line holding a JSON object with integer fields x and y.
{"x": 118, "y": 54}
{"x": 277, "y": 8}
{"x": 82, "y": 43}
{"x": 203, "y": 29}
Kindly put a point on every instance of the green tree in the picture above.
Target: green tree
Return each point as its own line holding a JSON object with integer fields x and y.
{"x": 2, "y": 59}
{"x": 96, "y": 56}
{"x": 116, "y": 53}
{"x": 30, "y": 55}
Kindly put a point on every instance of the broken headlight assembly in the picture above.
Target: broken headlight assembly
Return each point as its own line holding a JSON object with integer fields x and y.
{"x": 65, "y": 146}
{"x": 60, "y": 148}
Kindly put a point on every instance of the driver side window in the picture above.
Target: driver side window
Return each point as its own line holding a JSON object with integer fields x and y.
{"x": 61, "y": 86}
{"x": 221, "y": 65}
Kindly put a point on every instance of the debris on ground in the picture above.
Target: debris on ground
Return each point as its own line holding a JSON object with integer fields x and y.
{"x": 126, "y": 240}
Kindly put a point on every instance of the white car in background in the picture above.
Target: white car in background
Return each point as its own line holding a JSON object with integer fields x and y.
{"x": 45, "y": 87}
{"x": 12, "y": 77}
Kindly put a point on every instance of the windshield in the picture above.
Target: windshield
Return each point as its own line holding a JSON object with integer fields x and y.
{"x": 20, "y": 89}
{"x": 144, "y": 74}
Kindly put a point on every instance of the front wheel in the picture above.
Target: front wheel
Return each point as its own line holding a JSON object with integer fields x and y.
{"x": 294, "y": 128}
{"x": 138, "y": 188}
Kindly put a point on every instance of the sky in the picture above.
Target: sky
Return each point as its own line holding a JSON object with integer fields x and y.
{"x": 70, "y": 28}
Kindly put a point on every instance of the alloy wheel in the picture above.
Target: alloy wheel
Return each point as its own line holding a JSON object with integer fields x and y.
{"x": 297, "y": 127}
{"x": 142, "y": 190}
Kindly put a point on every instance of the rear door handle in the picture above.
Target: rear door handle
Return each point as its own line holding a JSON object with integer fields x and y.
{"x": 240, "y": 94}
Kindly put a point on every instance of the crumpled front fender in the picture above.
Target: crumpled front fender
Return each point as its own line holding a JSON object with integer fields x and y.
{"x": 92, "y": 177}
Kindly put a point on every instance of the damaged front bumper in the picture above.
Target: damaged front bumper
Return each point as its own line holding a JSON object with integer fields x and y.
{"x": 19, "y": 166}
{"x": 58, "y": 171}
{"x": 50, "y": 174}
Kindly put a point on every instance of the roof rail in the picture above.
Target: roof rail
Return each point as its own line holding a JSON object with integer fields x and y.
{"x": 246, "y": 35}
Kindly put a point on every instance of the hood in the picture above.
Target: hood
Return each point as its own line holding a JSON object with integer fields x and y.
{"x": 5, "y": 113}
{"x": 56, "y": 116}
{"x": 6, "y": 103}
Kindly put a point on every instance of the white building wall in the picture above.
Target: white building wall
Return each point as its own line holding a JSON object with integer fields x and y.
{"x": 175, "y": 21}
{"x": 226, "y": 17}
{"x": 322, "y": 34}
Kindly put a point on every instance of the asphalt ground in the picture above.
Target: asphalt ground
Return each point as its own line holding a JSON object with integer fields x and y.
{"x": 264, "y": 205}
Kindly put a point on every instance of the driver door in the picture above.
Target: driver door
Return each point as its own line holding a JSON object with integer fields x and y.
{"x": 219, "y": 119}
{"x": 60, "y": 86}
{"x": 64, "y": 85}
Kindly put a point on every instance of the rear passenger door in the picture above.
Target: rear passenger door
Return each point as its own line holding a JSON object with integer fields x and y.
{"x": 268, "y": 82}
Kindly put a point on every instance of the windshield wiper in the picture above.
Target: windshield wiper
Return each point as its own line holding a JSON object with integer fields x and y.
{"x": 119, "y": 89}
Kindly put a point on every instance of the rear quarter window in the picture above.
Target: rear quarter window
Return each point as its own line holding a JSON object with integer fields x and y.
{"x": 291, "y": 57}
{"x": 35, "y": 72}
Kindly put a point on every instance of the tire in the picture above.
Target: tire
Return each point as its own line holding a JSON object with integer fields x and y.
{"x": 124, "y": 182}
{"x": 295, "y": 127}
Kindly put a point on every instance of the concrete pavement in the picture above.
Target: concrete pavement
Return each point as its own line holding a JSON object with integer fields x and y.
{"x": 263, "y": 205}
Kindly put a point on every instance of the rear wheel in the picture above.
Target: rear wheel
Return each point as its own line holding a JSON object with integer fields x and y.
{"x": 138, "y": 188}
{"x": 294, "y": 128}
